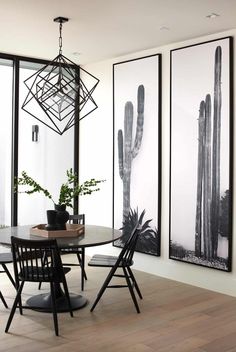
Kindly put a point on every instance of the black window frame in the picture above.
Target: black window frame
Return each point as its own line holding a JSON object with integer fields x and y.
{"x": 16, "y": 60}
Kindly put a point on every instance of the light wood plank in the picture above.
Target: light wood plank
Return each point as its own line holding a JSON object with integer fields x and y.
{"x": 174, "y": 317}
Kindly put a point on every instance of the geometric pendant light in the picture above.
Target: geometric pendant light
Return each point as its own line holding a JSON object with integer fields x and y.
{"x": 57, "y": 94}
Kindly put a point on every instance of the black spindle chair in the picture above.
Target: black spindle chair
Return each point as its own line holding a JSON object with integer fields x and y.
{"x": 38, "y": 261}
{"x": 6, "y": 258}
{"x": 80, "y": 252}
{"x": 124, "y": 261}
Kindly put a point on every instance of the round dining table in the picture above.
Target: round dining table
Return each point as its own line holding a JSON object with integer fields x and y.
{"x": 93, "y": 236}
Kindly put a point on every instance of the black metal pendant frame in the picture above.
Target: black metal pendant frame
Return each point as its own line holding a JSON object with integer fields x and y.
{"x": 61, "y": 93}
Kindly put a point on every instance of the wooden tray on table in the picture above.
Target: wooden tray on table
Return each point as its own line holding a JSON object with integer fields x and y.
{"x": 72, "y": 230}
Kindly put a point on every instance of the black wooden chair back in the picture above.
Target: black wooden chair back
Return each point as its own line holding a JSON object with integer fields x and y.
{"x": 77, "y": 219}
{"x": 38, "y": 261}
{"x": 127, "y": 253}
{"x": 80, "y": 252}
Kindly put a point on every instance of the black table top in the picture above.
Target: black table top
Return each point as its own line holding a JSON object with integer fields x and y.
{"x": 93, "y": 236}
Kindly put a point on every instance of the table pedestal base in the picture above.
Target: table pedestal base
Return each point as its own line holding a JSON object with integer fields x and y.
{"x": 42, "y": 302}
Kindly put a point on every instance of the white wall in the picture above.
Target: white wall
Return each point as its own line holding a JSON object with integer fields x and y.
{"x": 96, "y": 161}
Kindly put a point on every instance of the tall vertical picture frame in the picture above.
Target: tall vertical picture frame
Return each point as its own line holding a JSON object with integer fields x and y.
{"x": 137, "y": 150}
{"x": 201, "y": 154}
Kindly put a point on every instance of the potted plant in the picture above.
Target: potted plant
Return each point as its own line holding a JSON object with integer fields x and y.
{"x": 69, "y": 190}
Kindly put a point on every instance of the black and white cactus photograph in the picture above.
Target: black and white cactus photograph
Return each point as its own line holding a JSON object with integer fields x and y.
{"x": 201, "y": 154}
{"x": 136, "y": 145}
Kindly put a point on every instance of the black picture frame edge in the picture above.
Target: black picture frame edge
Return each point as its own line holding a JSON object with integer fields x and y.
{"x": 231, "y": 113}
{"x": 159, "y": 55}
{"x": 134, "y": 59}
{"x": 230, "y": 37}
{"x": 231, "y": 142}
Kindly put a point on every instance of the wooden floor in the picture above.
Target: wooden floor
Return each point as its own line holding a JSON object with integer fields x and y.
{"x": 174, "y": 317}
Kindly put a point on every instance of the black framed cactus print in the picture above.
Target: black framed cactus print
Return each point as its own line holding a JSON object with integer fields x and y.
{"x": 136, "y": 150}
{"x": 201, "y": 154}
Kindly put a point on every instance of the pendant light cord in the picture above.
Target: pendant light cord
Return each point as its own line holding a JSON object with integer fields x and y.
{"x": 60, "y": 39}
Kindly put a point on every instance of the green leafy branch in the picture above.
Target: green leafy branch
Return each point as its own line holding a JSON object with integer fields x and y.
{"x": 68, "y": 190}
{"x": 71, "y": 189}
{"x": 26, "y": 180}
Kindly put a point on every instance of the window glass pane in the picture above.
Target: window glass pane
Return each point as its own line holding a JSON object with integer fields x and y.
{"x": 45, "y": 160}
{"x": 6, "y": 74}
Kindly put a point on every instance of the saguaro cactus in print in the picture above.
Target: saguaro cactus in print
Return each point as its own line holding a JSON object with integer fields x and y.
{"x": 216, "y": 150}
{"x": 127, "y": 149}
{"x": 208, "y": 175}
{"x": 207, "y": 181}
{"x": 198, "y": 224}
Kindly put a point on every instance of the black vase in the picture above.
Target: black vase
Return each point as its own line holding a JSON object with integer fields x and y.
{"x": 62, "y": 216}
{"x": 51, "y": 219}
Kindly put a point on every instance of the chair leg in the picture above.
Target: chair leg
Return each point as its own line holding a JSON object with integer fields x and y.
{"x": 8, "y": 274}
{"x": 83, "y": 261}
{"x": 54, "y": 309}
{"x": 83, "y": 273}
{"x": 67, "y": 296}
{"x": 20, "y": 306}
{"x": 103, "y": 288}
{"x": 131, "y": 289}
{"x": 134, "y": 282}
{"x": 17, "y": 285}
{"x": 43, "y": 264}
{"x": 18, "y": 297}
{"x": 3, "y": 300}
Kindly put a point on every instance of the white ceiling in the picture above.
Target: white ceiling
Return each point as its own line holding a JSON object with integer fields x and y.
{"x": 102, "y": 29}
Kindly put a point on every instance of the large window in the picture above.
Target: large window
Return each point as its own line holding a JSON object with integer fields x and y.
{"x": 46, "y": 160}
{"x": 6, "y": 74}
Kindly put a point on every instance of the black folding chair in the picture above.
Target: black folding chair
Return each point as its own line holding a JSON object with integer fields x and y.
{"x": 6, "y": 258}
{"x": 80, "y": 252}
{"x": 124, "y": 261}
{"x": 37, "y": 261}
